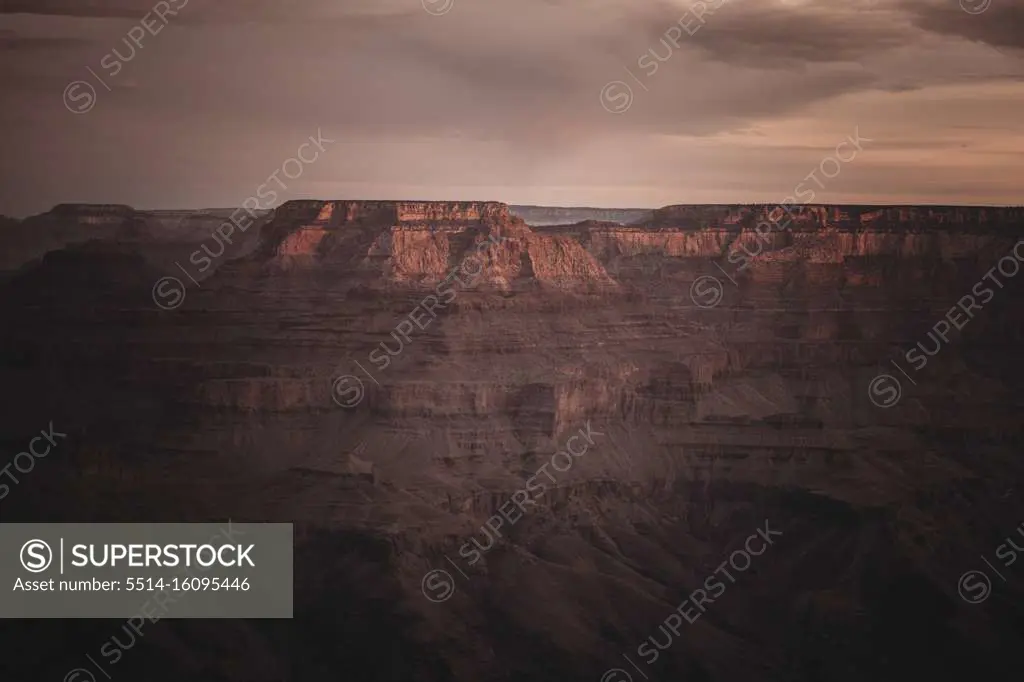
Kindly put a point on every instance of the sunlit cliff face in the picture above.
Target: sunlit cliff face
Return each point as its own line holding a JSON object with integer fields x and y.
{"x": 531, "y": 102}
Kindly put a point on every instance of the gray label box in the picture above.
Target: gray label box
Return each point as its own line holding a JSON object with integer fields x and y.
{"x": 146, "y": 570}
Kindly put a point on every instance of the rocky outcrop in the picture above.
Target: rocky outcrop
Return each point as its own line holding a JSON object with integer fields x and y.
{"x": 94, "y": 214}
{"x": 422, "y": 243}
{"x": 162, "y": 237}
{"x": 442, "y": 211}
{"x": 814, "y": 217}
{"x": 339, "y": 213}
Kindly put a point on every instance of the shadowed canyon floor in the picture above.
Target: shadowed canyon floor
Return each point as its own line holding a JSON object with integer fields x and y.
{"x": 390, "y": 375}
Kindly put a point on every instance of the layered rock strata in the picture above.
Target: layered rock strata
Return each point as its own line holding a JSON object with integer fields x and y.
{"x": 728, "y": 356}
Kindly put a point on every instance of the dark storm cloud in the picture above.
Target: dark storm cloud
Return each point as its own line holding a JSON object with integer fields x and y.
{"x": 78, "y": 8}
{"x": 199, "y": 11}
{"x": 767, "y": 33}
{"x": 1001, "y": 24}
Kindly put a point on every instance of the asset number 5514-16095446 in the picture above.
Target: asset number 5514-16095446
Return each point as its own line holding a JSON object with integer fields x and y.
{"x": 186, "y": 584}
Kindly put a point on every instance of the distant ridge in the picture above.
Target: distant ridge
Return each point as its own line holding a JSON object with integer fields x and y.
{"x": 541, "y": 216}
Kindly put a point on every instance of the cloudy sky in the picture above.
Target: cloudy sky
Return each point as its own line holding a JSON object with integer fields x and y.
{"x": 523, "y": 101}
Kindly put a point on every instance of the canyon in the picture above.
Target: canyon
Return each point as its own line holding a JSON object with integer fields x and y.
{"x": 730, "y": 360}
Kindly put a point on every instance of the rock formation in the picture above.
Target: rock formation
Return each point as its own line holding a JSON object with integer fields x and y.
{"x": 162, "y": 237}
{"x": 389, "y": 375}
